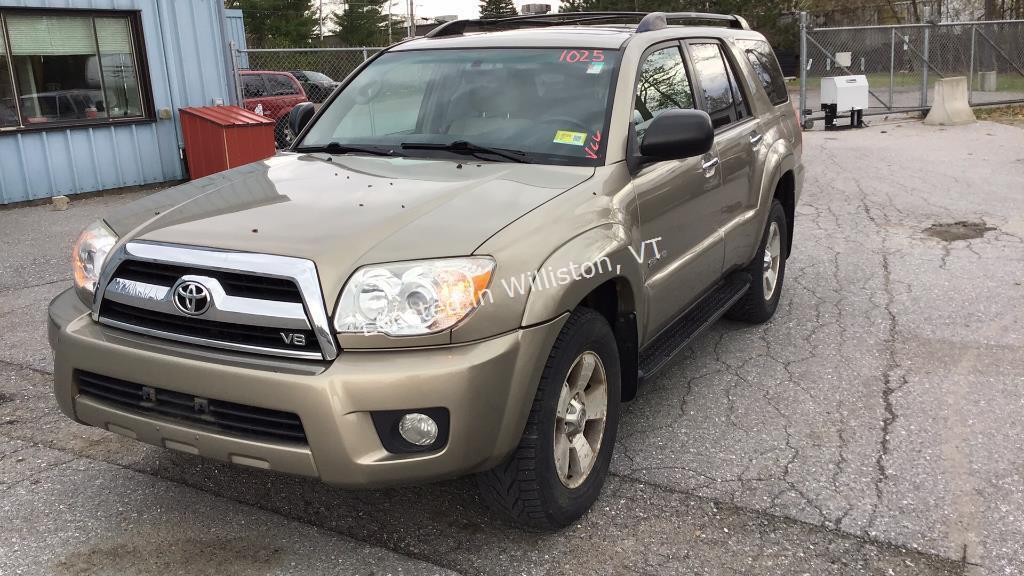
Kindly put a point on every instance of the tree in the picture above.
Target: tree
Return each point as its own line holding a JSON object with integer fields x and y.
{"x": 497, "y": 8}
{"x": 763, "y": 15}
{"x": 277, "y": 23}
{"x": 364, "y": 23}
{"x": 631, "y": 6}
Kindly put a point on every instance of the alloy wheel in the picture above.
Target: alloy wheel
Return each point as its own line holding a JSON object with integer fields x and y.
{"x": 580, "y": 420}
{"x": 772, "y": 261}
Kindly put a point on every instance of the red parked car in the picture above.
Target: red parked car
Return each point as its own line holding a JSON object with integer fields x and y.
{"x": 272, "y": 94}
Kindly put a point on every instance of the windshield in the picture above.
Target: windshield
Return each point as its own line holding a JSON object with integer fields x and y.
{"x": 550, "y": 104}
{"x": 317, "y": 77}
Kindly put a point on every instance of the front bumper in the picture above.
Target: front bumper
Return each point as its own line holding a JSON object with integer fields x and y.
{"x": 487, "y": 387}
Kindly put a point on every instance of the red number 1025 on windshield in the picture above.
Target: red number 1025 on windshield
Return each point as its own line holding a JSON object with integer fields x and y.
{"x": 574, "y": 56}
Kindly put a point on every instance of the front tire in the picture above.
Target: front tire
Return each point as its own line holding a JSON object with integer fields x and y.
{"x": 283, "y": 134}
{"x": 767, "y": 271}
{"x": 557, "y": 471}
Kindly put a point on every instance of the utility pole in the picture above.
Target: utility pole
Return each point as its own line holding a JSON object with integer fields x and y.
{"x": 390, "y": 5}
{"x": 412, "y": 18}
{"x": 320, "y": 20}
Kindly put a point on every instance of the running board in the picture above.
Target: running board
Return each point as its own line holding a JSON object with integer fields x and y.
{"x": 698, "y": 318}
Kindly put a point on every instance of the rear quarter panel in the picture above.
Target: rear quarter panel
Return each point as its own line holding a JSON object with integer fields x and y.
{"x": 778, "y": 152}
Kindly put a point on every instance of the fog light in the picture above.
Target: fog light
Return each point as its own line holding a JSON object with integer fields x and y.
{"x": 418, "y": 429}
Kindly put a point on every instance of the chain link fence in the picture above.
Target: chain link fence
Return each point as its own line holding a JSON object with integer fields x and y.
{"x": 271, "y": 81}
{"x": 903, "y": 62}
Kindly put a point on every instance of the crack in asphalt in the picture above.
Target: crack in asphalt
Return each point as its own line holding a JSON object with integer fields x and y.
{"x": 891, "y": 365}
{"x": 29, "y": 286}
{"x": 73, "y": 456}
{"x": 888, "y": 389}
{"x": 25, "y": 367}
{"x": 864, "y": 539}
{"x": 10, "y": 485}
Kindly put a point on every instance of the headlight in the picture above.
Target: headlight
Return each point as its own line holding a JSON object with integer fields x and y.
{"x": 88, "y": 256}
{"x": 412, "y": 298}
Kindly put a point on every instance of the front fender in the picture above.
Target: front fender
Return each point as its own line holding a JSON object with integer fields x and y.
{"x": 578, "y": 267}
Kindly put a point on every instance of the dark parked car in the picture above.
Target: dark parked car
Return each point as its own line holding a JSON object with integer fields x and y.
{"x": 317, "y": 86}
{"x": 62, "y": 105}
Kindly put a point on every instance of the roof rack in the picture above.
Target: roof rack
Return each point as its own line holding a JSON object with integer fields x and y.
{"x": 648, "y": 21}
{"x": 659, "y": 20}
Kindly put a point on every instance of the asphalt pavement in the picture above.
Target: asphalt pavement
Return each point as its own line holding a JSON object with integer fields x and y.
{"x": 872, "y": 427}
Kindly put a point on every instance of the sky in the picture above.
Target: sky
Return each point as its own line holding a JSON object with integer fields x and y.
{"x": 464, "y": 8}
{"x": 430, "y": 8}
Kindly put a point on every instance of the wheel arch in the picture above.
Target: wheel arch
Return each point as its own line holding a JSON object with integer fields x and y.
{"x": 613, "y": 290}
{"x": 785, "y": 192}
{"x": 614, "y": 299}
{"x": 779, "y": 182}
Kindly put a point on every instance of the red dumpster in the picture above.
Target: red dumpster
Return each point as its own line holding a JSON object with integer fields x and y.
{"x": 222, "y": 137}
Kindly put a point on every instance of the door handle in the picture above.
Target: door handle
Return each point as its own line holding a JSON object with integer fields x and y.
{"x": 755, "y": 138}
{"x": 709, "y": 167}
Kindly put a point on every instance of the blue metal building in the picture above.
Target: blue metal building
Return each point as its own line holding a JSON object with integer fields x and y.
{"x": 90, "y": 90}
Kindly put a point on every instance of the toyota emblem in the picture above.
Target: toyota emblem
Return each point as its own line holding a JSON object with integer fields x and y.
{"x": 191, "y": 298}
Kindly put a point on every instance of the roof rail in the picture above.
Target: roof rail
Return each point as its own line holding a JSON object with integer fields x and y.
{"x": 659, "y": 20}
{"x": 648, "y": 21}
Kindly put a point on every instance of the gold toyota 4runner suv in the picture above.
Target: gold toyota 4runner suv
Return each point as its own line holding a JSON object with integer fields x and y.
{"x": 470, "y": 257}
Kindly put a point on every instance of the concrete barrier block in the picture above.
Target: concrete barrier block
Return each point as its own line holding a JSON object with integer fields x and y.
{"x": 950, "y": 106}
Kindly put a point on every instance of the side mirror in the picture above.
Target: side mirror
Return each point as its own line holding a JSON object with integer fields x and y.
{"x": 299, "y": 116}
{"x": 677, "y": 134}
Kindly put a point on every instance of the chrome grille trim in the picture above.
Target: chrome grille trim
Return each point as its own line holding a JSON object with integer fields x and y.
{"x": 299, "y": 270}
{"x": 212, "y": 343}
{"x": 225, "y": 308}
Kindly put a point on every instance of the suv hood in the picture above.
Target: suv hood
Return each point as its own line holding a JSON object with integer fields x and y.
{"x": 345, "y": 211}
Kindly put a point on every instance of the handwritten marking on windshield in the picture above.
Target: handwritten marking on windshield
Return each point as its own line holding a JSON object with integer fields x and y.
{"x": 574, "y": 56}
{"x": 594, "y": 146}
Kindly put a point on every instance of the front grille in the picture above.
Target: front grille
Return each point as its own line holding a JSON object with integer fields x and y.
{"x": 217, "y": 415}
{"x": 234, "y": 283}
{"x": 246, "y": 311}
{"x": 194, "y": 327}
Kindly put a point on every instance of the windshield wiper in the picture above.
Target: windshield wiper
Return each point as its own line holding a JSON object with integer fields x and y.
{"x": 464, "y": 147}
{"x": 338, "y": 148}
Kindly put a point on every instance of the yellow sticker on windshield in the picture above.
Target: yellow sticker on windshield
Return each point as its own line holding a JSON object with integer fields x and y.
{"x": 567, "y": 137}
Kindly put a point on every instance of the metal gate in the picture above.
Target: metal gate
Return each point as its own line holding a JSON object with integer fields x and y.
{"x": 903, "y": 62}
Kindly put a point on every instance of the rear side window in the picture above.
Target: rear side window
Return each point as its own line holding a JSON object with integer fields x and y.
{"x": 279, "y": 85}
{"x": 252, "y": 86}
{"x": 766, "y": 66}
{"x": 723, "y": 98}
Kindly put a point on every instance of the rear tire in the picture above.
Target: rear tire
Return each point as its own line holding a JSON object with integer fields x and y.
{"x": 549, "y": 481}
{"x": 767, "y": 268}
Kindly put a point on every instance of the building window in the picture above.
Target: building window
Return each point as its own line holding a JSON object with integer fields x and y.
{"x": 59, "y": 68}
{"x": 8, "y": 111}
